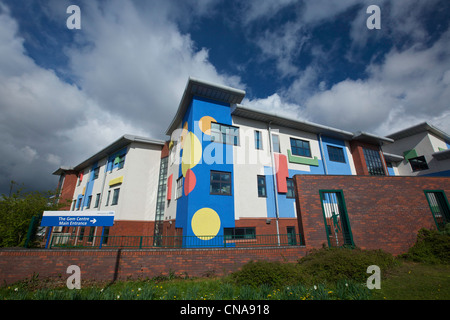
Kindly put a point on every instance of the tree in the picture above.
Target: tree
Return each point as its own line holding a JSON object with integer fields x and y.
{"x": 17, "y": 210}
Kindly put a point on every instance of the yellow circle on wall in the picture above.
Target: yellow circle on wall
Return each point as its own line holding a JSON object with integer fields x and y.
{"x": 205, "y": 124}
{"x": 192, "y": 152}
{"x": 205, "y": 223}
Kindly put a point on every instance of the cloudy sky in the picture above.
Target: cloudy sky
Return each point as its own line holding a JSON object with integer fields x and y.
{"x": 65, "y": 94}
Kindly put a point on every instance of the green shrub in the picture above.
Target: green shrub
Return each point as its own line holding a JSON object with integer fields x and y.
{"x": 431, "y": 247}
{"x": 257, "y": 273}
{"x": 333, "y": 264}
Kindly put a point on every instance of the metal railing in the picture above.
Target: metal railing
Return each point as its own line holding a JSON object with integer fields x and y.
{"x": 65, "y": 240}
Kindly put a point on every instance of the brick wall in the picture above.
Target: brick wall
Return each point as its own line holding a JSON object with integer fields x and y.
{"x": 356, "y": 148}
{"x": 384, "y": 212}
{"x": 70, "y": 180}
{"x": 109, "y": 265}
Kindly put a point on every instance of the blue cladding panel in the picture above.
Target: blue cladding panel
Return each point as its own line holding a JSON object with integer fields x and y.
{"x": 216, "y": 157}
{"x": 334, "y": 167}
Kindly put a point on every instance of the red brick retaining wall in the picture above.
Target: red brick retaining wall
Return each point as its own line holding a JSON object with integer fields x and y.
{"x": 108, "y": 265}
{"x": 384, "y": 212}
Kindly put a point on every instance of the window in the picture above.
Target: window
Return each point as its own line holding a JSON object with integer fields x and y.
{"x": 418, "y": 164}
{"x": 336, "y": 154}
{"x": 224, "y": 133}
{"x": 105, "y": 235}
{"x": 96, "y": 172}
{"x": 88, "y": 205}
{"x": 239, "y": 233}
{"x": 337, "y": 225}
{"x": 115, "y": 198}
{"x": 79, "y": 203}
{"x": 290, "y": 188}
{"x": 300, "y": 148}
{"x": 74, "y": 203}
{"x": 97, "y": 200}
{"x": 179, "y": 187}
{"x": 439, "y": 206}
{"x": 373, "y": 162}
{"x": 220, "y": 183}
{"x": 262, "y": 192}
{"x": 276, "y": 143}
{"x": 258, "y": 140}
{"x": 107, "y": 199}
{"x": 81, "y": 234}
{"x": 120, "y": 161}
{"x": 91, "y": 234}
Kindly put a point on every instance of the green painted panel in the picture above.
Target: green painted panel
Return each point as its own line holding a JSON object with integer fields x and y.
{"x": 409, "y": 154}
{"x": 302, "y": 160}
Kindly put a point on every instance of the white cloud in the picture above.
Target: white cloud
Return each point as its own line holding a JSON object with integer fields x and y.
{"x": 137, "y": 66}
{"x": 130, "y": 68}
{"x": 410, "y": 86}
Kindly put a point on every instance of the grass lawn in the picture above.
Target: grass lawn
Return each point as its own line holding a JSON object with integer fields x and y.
{"x": 415, "y": 281}
{"x": 409, "y": 281}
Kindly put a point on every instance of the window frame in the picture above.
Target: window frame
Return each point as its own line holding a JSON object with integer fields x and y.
{"x": 277, "y": 143}
{"x": 227, "y": 133}
{"x": 97, "y": 200}
{"x": 179, "y": 189}
{"x": 249, "y": 233}
{"x": 374, "y": 168}
{"x": 115, "y": 198}
{"x": 418, "y": 167}
{"x": 336, "y": 154}
{"x": 96, "y": 173}
{"x": 290, "y": 194}
{"x": 295, "y": 148}
{"x": 221, "y": 182}
{"x": 261, "y": 186}
{"x": 258, "y": 140}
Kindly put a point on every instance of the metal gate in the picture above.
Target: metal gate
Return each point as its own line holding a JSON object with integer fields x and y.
{"x": 439, "y": 207}
{"x": 337, "y": 225}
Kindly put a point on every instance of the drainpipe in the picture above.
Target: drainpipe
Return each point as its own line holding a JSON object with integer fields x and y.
{"x": 274, "y": 181}
{"x": 323, "y": 155}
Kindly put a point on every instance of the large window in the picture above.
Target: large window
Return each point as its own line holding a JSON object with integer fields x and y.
{"x": 418, "y": 164}
{"x": 300, "y": 148}
{"x": 336, "y": 154}
{"x": 220, "y": 183}
{"x": 224, "y": 133}
{"x": 373, "y": 162}
{"x": 262, "y": 191}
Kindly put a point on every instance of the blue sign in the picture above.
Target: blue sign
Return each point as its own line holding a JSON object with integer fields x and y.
{"x": 77, "y": 219}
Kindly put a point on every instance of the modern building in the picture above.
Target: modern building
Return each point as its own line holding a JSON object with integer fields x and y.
{"x": 424, "y": 148}
{"x": 227, "y": 172}
{"x": 123, "y": 177}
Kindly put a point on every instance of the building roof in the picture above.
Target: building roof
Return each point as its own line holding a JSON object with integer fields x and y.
{"x": 200, "y": 88}
{"x": 371, "y": 138}
{"x": 442, "y": 155}
{"x": 107, "y": 151}
{"x": 419, "y": 128}
{"x": 241, "y": 111}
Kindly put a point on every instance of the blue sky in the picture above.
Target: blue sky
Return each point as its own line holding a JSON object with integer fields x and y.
{"x": 65, "y": 94}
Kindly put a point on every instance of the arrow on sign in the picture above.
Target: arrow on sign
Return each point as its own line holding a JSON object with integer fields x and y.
{"x": 94, "y": 220}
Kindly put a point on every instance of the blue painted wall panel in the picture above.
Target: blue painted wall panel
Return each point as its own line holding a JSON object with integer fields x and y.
{"x": 216, "y": 155}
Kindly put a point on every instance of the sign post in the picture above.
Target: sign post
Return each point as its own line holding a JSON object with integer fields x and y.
{"x": 76, "y": 219}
